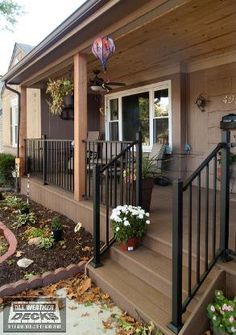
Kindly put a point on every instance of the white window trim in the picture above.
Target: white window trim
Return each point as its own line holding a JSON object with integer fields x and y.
{"x": 147, "y": 88}
{"x": 14, "y": 105}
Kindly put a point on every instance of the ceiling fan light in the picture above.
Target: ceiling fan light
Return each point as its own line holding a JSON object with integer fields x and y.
{"x": 97, "y": 88}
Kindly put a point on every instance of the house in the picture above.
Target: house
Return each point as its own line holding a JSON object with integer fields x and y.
{"x": 10, "y": 107}
{"x": 1, "y": 135}
{"x": 177, "y": 61}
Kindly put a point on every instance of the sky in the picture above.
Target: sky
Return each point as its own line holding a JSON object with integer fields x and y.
{"x": 40, "y": 19}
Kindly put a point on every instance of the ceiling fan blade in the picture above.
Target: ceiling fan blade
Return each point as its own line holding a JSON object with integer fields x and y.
{"x": 116, "y": 83}
{"x": 106, "y": 87}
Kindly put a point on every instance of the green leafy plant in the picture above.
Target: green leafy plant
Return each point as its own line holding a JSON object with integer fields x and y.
{"x": 9, "y": 10}
{"x": 33, "y": 232}
{"x": 46, "y": 242}
{"x": 58, "y": 90}
{"x": 7, "y": 165}
{"x": 56, "y": 223}
{"x": 128, "y": 222}
{"x": 23, "y": 219}
{"x": 149, "y": 167}
{"x": 24, "y": 207}
{"x": 222, "y": 314}
{"x": 13, "y": 201}
{"x": 28, "y": 275}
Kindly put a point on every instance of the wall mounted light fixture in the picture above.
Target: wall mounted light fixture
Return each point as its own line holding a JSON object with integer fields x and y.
{"x": 201, "y": 102}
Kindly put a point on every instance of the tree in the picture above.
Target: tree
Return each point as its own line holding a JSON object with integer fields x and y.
{"x": 9, "y": 10}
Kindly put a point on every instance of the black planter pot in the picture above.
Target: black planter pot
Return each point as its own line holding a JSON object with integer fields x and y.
{"x": 147, "y": 186}
{"x": 57, "y": 235}
{"x": 69, "y": 101}
{"x": 25, "y": 210}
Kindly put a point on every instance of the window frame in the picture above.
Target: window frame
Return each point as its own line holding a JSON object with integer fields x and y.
{"x": 147, "y": 88}
{"x": 14, "y": 115}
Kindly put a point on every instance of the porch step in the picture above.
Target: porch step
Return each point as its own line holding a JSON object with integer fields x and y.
{"x": 150, "y": 266}
{"x": 132, "y": 294}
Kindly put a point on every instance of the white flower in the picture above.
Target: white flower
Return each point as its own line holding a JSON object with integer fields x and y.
{"x": 213, "y": 308}
{"x": 233, "y": 329}
{"x": 147, "y": 214}
{"x": 126, "y": 223}
{"x": 117, "y": 228}
{"x": 214, "y": 317}
{"x": 148, "y": 222}
{"x": 140, "y": 216}
{"x": 77, "y": 227}
{"x": 231, "y": 319}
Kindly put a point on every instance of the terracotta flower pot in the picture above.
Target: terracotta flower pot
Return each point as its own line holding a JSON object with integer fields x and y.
{"x": 131, "y": 244}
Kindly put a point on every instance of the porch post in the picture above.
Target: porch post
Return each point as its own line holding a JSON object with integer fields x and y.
{"x": 80, "y": 124}
{"x": 23, "y": 128}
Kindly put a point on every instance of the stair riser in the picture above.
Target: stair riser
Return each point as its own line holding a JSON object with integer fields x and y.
{"x": 165, "y": 249}
{"x": 151, "y": 278}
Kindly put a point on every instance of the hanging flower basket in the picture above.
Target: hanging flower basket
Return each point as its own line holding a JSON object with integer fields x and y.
{"x": 59, "y": 90}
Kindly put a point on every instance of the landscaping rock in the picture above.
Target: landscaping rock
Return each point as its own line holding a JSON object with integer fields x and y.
{"x": 24, "y": 262}
{"x": 34, "y": 241}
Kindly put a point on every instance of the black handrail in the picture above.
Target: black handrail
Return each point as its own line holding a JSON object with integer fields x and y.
{"x": 207, "y": 160}
{"x": 113, "y": 177}
{"x": 219, "y": 249}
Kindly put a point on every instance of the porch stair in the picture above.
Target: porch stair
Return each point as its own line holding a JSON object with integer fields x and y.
{"x": 140, "y": 283}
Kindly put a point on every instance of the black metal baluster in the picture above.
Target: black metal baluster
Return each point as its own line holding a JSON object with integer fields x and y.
{"x": 214, "y": 207}
{"x": 207, "y": 217}
{"x": 190, "y": 225}
{"x": 198, "y": 230}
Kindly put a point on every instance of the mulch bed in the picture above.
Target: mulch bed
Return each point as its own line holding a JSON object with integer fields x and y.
{"x": 3, "y": 245}
{"x": 74, "y": 248}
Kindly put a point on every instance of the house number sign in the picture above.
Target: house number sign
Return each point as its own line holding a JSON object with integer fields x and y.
{"x": 229, "y": 99}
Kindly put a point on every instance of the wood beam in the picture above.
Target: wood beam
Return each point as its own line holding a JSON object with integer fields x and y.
{"x": 23, "y": 128}
{"x": 80, "y": 124}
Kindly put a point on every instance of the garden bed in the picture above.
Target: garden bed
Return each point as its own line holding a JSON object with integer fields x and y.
{"x": 73, "y": 248}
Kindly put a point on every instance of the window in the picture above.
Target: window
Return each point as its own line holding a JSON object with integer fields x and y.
{"x": 146, "y": 108}
{"x": 161, "y": 117}
{"x": 113, "y": 120}
{"x": 14, "y": 122}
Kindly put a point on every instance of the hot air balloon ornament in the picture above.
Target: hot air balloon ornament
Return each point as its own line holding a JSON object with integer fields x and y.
{"x": 103, "y": 48}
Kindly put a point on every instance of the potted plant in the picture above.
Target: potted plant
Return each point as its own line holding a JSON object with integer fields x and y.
{"x": 61, "y": 95}
{"x": 57, "y": 228}
{"x": 222, "y": 315}
{"x": 129, "y": 224}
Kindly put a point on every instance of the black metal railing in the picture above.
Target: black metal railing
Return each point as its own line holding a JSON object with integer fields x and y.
{"x": 116, "y": 182}
{"x": 122, "y": 169}
{"x": 51, "y": 160}
{"x": 196, "y": 203}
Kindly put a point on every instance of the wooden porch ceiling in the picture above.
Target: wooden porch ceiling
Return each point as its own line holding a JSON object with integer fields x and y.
{"x": 196, "y": 30}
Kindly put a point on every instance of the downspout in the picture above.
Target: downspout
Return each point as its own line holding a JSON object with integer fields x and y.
{"x": 18, "y": 132}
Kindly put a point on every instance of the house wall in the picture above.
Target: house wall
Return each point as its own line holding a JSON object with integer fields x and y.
{"x": 33, "y": 117}
{"x": 56, "y": 128}
{"x": 203, "y": 128}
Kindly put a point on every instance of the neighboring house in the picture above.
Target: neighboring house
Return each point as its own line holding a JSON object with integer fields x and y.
{"x": 1, "y": 128}
{"x": 10, "y": 107}
{"x": 170, "y": 55}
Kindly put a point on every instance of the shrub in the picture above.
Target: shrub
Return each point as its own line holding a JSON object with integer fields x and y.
{"x": 46, "y": 242}
{"x": 56, "y": 223}
{"x": 32, "y": 232}
{"x": 7, "y": 165}
{"x": 23, "y": 219}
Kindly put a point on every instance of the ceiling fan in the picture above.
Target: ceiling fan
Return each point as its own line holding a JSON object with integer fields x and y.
{"x": 98, "y": 84}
